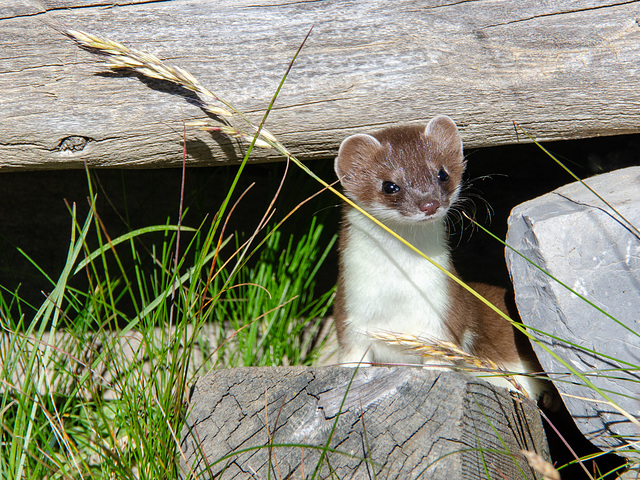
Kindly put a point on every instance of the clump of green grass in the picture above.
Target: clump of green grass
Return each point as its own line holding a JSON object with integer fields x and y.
{"x": 287, "y": 310}
{"x": 104, "y": 396}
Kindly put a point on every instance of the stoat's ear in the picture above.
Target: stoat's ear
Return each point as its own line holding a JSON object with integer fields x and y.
{"x": 444, "y": 131}
{"x": 354, "y": 151}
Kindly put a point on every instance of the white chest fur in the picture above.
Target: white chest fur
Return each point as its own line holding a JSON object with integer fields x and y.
{"x": 390, "y": 288}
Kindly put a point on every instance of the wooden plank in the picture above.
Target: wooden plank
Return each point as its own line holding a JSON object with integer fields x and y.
{"x": 561, "y": 69}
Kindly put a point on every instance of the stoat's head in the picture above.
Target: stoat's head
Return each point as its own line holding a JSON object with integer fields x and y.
{"x": 404, "y": 174}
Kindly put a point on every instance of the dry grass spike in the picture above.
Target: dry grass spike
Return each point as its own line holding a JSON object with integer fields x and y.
{"x": 541, "y": 466}
{"x": 447, "y": 351}
{"x": 148, "y": 65}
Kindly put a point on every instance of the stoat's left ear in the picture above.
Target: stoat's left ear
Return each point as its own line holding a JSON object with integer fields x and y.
{"x": 444, "y": 131}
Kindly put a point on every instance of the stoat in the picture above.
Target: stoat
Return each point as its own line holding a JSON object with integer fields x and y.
{"x": 409, "y": 177}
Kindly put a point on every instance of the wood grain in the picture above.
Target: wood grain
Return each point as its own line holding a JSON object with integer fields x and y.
{"x": 397, "y": 422}
{"x": 560, "y": 69}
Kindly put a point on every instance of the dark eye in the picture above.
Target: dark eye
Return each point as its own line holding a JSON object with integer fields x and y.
{"x": 443, "y": 176}
{"x": 390, "y": 187}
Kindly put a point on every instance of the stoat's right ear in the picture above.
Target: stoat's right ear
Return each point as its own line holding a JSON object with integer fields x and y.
{"x": 354, "y": 150}
{"x": 444, "y": 130}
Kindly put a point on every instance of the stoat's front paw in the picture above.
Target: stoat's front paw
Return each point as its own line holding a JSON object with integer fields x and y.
{"x": 355, "y": 357}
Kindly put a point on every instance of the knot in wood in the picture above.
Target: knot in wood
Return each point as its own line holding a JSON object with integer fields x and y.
{"x": 73, "y": 143}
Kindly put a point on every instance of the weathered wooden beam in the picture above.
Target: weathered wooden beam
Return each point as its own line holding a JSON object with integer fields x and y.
{"x": 396, "y": 422}
{"x": 560, "y": 69}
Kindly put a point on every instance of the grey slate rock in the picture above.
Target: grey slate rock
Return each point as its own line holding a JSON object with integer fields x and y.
{"x": 399, "y": 422}
{"x": 575, "y": 237}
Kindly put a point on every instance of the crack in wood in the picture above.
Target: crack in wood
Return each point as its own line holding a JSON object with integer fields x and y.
{"x": 565, "y": 12}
